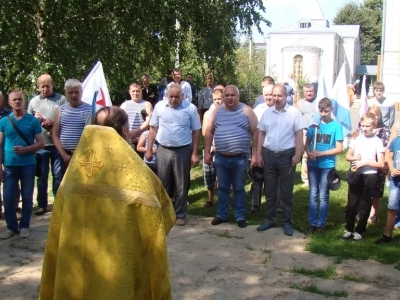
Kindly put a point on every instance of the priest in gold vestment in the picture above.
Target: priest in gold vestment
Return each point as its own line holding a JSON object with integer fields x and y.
{"x": 107, "y": 234}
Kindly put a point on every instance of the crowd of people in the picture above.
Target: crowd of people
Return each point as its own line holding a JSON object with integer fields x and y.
{"x": 164, "y": 128}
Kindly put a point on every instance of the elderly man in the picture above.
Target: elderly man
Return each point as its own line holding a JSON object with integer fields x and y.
{"x": 44, "y": 107}
{"x": 176, "y": 126}
{"x": 307, "y": 107}
{"x": 232, "y": 126}
{"x": 20, "y": 137}
{"x": 185, "y": 86}
{"x": 149, "y": 91}
{"x": 279, "y": 148}
{"x": 70, "y": 120}
{"x": 134, "y": 108}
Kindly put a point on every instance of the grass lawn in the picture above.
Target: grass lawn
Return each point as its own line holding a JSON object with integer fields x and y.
{"x": 326, "y": 243}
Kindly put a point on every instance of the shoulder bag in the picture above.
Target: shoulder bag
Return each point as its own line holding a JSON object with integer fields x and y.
{"x": 37, "y": 156}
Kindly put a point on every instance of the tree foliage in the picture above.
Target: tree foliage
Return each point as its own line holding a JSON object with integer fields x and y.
{"x": 369, "y": 16}
{"x": 65, "y": 38}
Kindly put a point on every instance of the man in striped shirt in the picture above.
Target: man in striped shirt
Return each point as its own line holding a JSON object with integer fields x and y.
{"x": 133, "y": 108}
{"x": 71, "y": 118}
{"x": 233, "y": 126}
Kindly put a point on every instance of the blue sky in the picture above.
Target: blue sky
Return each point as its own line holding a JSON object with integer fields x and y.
{"x": 285, "y": 12}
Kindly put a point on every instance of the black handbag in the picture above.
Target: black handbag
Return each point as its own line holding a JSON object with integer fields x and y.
{"x": 37, "y": 156}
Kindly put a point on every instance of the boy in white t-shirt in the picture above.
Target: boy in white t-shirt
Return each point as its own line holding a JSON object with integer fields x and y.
{"x": 367, "y": 152}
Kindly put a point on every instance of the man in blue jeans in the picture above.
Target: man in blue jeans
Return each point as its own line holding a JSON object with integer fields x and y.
{"x": 44, "y": 107}
{"x": 233, "y": 126}
{"x": 19, "y": 163}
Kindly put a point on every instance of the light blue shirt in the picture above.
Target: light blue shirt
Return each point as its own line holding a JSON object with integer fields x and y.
{"x": 175, "y": 124}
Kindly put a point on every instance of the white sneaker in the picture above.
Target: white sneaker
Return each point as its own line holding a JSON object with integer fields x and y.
{"x": 8, "y": 234}
{"x": 347, "y": 235}
{"x": 357, "y": 236}
{"x": 24, "y": 233}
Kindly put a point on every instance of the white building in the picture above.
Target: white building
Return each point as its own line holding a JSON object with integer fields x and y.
{"x": 303, "y": 47}
{"x": 391, "y": 48}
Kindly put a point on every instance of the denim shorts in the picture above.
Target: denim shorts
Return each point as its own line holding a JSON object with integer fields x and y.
{"x": 394, "y": 195}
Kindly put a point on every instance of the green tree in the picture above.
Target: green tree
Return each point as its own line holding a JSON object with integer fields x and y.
{"x": 65, "y": 38}
{"x": 250, "y": 69}
{"x": 369, "y": 16}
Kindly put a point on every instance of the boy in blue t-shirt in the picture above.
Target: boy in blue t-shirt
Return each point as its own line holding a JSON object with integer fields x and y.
{"x": 323, "y": 143}
{"x": 394, "y": 190}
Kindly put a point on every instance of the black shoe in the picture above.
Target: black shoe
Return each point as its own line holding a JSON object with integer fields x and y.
{"x": 217, "y": 221}
{"x": 41, "y": 211}
{"x": 384, "y": 239}
{"x": 242, "y": 223}
{"x": 254, "y": 209}
{"x": 311, "y": 230}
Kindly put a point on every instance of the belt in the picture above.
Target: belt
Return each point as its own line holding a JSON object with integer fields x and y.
{"x": 174, "y": 148}
{"x": 233, "y": 154}
{"x": 279, "y": 153}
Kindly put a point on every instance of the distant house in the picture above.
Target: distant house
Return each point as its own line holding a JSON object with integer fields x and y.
{"x": 302, "y": 47}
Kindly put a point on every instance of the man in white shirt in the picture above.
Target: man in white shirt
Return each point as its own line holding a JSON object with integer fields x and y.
{"x": 279, "y": 149}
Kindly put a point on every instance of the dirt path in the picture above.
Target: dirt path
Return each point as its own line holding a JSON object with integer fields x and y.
{"x": 217, "y": 262}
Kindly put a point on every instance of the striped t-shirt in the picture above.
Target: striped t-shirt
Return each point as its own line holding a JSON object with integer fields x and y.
{"x": 232, "y": 130}
{"x": 72, "y": 122}
{"x": 133, "y": 110}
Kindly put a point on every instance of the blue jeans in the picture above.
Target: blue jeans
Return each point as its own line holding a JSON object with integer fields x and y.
{"x": 232, "y": 171}
{"x": 49, "y": 155}
{"x": 318, "y": 186}
{"x": 12, "y": 177}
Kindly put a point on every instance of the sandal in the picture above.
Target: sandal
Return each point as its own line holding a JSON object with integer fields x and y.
{"x": 208, "y": 204}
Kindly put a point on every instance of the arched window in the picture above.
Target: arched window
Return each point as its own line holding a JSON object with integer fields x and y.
{"x": 298, "y": 67}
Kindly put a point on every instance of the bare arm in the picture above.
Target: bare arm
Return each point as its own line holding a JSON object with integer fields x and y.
{"x": 350, "y": 155}
{"x": 56, "y": 138}
{"x": 260, "y": 141}
{"x": 205, "y": 123}
{"x": 253, "y": 122}
{"x": 395, "y": 172}
{"x": 149, "y": 110}
{"x": 140, "y": 145}
{"x": 208, "y": 138}
{"x": 150, "y": 142}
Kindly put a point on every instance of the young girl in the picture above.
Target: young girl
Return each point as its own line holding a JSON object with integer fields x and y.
{"x": 365, "y": 151}
{"x": 383, "y": 133}
{"x": 142, "y": 146}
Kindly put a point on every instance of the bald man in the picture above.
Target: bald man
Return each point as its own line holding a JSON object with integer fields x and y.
{"x": 44, "y": 107}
